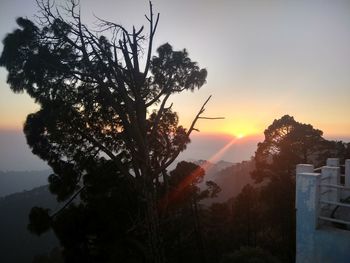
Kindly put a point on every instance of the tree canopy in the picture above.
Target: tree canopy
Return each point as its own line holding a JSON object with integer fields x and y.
{"x": 287, "y": 143}
{"x": 104, "y": 125}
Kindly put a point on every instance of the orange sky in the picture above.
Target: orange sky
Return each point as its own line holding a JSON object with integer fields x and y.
{"x": 264, "y": 59}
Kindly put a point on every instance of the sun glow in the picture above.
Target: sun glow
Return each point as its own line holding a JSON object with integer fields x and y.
{"x": 240, "y": 136}
{"x": 240, "y": 129}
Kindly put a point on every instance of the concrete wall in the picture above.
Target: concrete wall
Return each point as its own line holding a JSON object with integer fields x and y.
{"x": 331, "y": 245}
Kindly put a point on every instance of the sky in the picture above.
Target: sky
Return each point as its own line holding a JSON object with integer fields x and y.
{"x": 264, "y": 58}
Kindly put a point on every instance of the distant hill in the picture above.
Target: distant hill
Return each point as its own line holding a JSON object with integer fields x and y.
{"x": 231, "y": 177}
{"x": 212, "y": 169}
{"x": 14, "y": 208}
{"x": 13, "y": 182}
{"x": 17, "y": 244}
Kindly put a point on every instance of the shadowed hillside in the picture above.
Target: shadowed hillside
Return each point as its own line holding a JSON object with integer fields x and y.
{"x": 13, "y": 182}
{"x": 16, "y": 243}
{"x": 230, "y": 177}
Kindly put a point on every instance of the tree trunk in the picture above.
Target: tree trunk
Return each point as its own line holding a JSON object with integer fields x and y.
{"x": 153, "y": 229}
{"x": 198, "y": 231}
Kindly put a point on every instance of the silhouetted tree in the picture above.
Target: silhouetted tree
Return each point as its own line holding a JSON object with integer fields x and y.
{"x": 246, "y": 217}
{"x": 54, "y": 256}
{"x": 217, "y": 225}
{"x": 287, "y": 143}
{"x": 264, "y": 215}
{"x": 183, "y": 212}
{"x": 101, "y": 107}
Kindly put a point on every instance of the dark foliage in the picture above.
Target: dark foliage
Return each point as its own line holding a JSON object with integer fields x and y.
{"x": 287, "y": 143}
{"x": 185, "y": 234}
{"x": 55, "y": 256}
{"x": 103, "y": 126}
{"x": 105, "y": 129}
{"x": 250, "y": 255}
{"x": 40, "y": 220}
{"x": 267, "y": 212}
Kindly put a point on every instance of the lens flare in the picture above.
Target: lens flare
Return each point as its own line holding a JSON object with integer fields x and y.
{"x": 173, "y": 195}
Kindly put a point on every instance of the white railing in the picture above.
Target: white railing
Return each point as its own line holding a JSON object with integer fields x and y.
{"x": 321, "y": 195}
{"x": 321, "y": 205}
{"x": 332, "y": 194}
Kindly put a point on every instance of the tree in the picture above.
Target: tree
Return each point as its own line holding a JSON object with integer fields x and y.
{"x": 183, "y": 211}
{"x": 53, "y": 257}
{"x": 287, "y": 143}
{"x": 246, "y": 216}
{"x": 263, "y": 216}
{"x": 99, "y": 108}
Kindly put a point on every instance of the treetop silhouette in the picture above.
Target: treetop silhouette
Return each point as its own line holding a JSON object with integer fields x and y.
{"x": 101, "y": 104}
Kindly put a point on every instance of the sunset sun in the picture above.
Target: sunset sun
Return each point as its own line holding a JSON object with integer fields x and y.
{"x": 240, "y": 136}
{"x": 240, "y": 129}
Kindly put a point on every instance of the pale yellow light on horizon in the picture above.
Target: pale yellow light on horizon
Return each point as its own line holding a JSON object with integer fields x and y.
{"x": 14, "y": 109}
{"x": 247, "y": 126}
{"x": 239, "y": 129}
